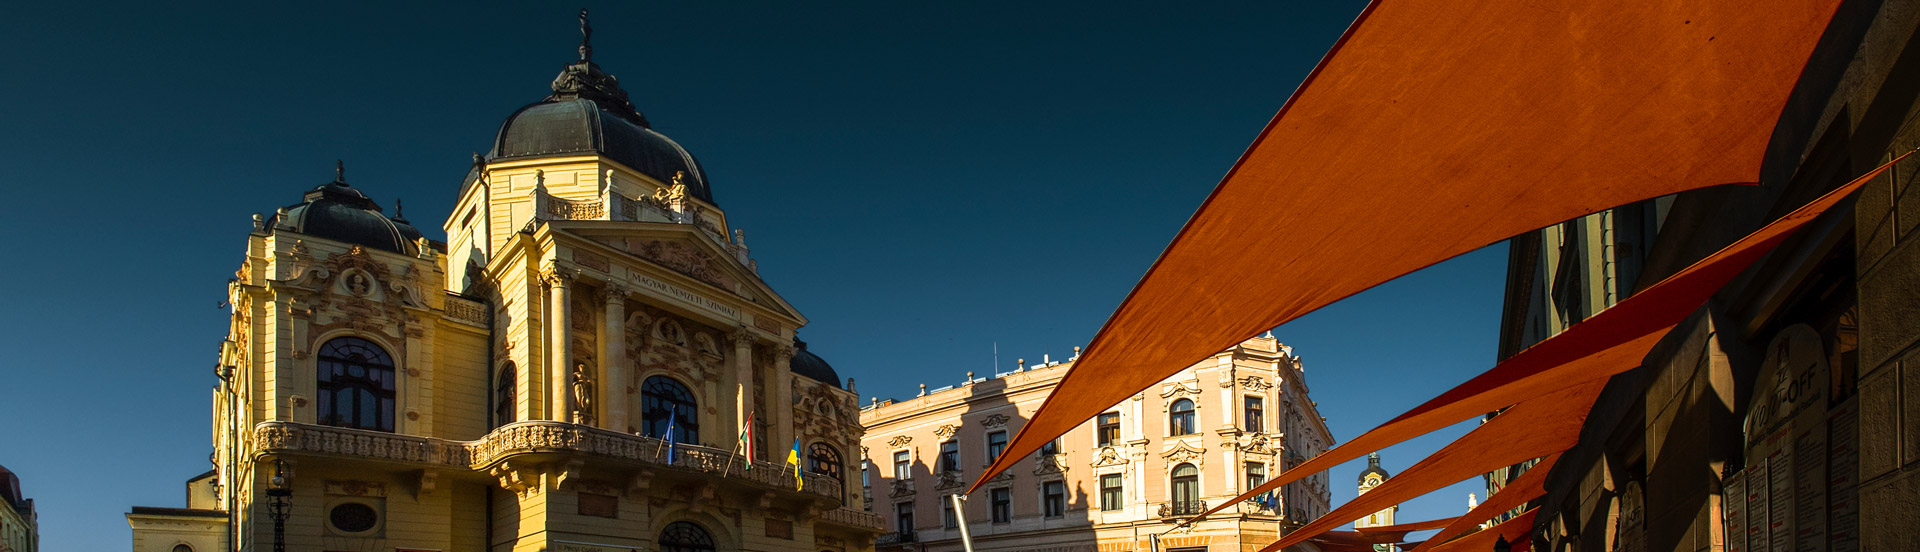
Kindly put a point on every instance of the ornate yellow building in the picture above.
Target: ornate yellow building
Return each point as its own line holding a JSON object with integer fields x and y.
{"x": 571, "y": 370}
{"x": 1202, "y": 436}
{"x": 19, "y": 523}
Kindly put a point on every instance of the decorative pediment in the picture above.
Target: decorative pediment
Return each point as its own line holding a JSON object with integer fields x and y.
{"x": 946, "y": 431}
{"x": 680, "y": 249}
{"x": 1050, "y": 463}
{"x": 996, "y": 420}
{"x": 1108, "y": 457}
{"x": 1183, "y": 452}
{"x": 901, "y": 487}
{"x": 1179, "y": 388}
{"x": 1255, "y": 383}
{"x": 1258, "y": 444}
{"x": 950, "y": 480}
{"x": 900, "y": 441}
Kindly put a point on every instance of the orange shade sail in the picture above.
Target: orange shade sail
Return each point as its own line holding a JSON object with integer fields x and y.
{"x": 1538, "y": 427}
{"x": 1517, "y": 531}
{"x": 1411, "y": 526}
{"x": 1433, "y": 128}
{"x": 1530, "y": 485}
{"x": 1612, "y": 341}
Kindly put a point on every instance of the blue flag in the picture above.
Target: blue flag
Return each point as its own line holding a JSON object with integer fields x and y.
{"x": 671, "y": 419}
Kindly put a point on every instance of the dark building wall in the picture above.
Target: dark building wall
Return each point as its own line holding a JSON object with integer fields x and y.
{"x": 1675, "y": 425}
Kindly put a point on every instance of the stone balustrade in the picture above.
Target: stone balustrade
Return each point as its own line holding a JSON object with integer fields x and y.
{"x": 849, "y": 517}
{"x": 279, "y": 437}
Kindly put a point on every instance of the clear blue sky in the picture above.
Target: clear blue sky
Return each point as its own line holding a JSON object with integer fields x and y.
{"x": 921, "y": 180}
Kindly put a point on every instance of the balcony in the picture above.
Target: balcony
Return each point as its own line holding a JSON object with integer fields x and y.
{"x": 508, "y": 441}
{"x": 858, "y": 519}
{"x": 1182, "y": 508}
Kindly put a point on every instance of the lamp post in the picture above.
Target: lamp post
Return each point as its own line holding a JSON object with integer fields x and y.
{"x": 279, "y": 496}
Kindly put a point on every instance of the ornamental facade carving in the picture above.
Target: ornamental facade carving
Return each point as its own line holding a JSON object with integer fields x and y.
{"x": 1183, "y": 452}
{"x": 1180, "y": 389}
{"x": 996, "y": 420}
{"x": 1255, "y": 383}
{"x": 900, "y": 441}
{"x": 946, "y": 431}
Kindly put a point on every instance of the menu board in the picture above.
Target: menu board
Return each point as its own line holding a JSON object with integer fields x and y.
{"x": 1735, "y": 505}
{"x": 1780, "y": 487}
{"x": 1810, "y": 482}
{"x": 1843, "y": 478}
{"x": 1757, "y": 506}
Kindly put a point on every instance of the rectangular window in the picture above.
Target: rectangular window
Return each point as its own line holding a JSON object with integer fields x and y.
{"x": 1050, "y": 448}
{"x": 1256, "y": 474}
{"x": 1053, "y": 498}
{"x": 950, "y": 456}
{"x": 1108, "y": 433}
{"x": 903, "y": 517}
{"x": 996, "y": 443}
{"x": 903, "y": 465}
{"x": 947, "y": 518}
{"x": 1002, "y": 499}
{"x": 1111, "y": 495}
{"x": 1256, "y": 414}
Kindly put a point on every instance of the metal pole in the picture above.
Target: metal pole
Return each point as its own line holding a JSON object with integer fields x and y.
{"x": 277, "y": 509}
{"x": 1153, "y": 542}
{"x": 960, "y": 514}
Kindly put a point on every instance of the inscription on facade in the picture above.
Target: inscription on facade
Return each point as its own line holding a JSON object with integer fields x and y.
{"x": 687, "y": 297}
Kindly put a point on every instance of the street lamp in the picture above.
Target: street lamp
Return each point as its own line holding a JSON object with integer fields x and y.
{"x": 279, "y": 494}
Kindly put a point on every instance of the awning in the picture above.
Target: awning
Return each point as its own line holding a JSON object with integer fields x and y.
{"x": 1612, "y": 341}
{"x": 1530, "y": 485}
{"x": 1435, "y": 127}
{"x": 1538, "y": 427}
{"x": 1517, "y": 531}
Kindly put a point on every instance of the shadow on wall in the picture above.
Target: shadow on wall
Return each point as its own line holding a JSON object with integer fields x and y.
{"x": 1035, "y": 504}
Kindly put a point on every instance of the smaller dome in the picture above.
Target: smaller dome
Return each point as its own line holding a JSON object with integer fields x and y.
{"x": 1373, "y": 466}
{"x": 805, "y": 363}
{"x": 339, "y": 212}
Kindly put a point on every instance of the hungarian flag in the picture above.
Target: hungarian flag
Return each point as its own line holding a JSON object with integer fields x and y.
{"x": 746, "y": 438}
{"x": 793, "y": 459}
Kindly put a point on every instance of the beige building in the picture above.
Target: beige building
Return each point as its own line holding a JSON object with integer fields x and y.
{"x": 19, "y": 523}
{"x": 570, "y": 371}
{"x": 1200, "y": 437}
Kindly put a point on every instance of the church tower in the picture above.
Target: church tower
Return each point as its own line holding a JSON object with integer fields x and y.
{"x": 590, "y": 362}
{"x": 1373, "y": 477}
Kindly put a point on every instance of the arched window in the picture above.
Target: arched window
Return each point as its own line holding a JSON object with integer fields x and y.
{"x": 662, "y": 400}
{"x": 681, "y": 536}
{"x": 823, "y": 459}
{"x": 504, "y": 395}
{"x": 182, "y": 548}
{"x": 1180, "y": 418}
{"x": 356, "y": 384}
{"x": 1186, "y": 489}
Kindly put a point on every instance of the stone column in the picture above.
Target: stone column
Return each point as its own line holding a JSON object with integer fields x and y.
{"x": 613, "y": 359}
{"x": 738, "y": 378}
{"x": 782, "y": 404}
{"x": 559, "y": 347}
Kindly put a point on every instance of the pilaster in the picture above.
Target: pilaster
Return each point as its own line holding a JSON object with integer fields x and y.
{"x": 782, "y": 396}
{"x": 739, "y": 377}
{"x": 559, "y": 281}
{"x": 613, "y": 358}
